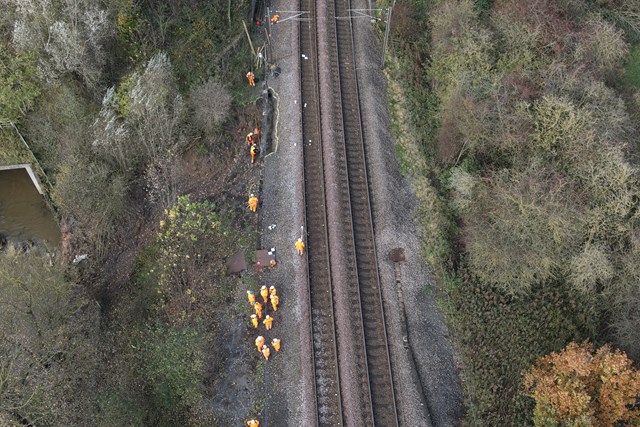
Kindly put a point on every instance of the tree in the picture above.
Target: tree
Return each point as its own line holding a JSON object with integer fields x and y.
{"x": 48, "y": 356}
{"x": 92, "y": 195}
{"x": 520, "y": 229}
{"x": 210, "y": 102}
{"x": 577, "y": 387}
{"x": 601, "y": 47}
{"x": 140, "y": 127}
{"x": 68, "y": 35}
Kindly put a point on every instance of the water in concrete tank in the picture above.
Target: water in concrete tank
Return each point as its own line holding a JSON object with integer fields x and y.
{"x": 24, "y": 215}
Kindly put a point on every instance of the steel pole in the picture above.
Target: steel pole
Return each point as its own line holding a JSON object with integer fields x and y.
{"x": 386, "y": 37}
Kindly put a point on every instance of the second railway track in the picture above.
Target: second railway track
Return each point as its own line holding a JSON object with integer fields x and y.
{"x": 356, "y": 249}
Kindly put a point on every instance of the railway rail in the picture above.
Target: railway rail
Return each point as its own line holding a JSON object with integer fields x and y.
{"x": 356, "y": 249}
{"x": 325, "y": 352}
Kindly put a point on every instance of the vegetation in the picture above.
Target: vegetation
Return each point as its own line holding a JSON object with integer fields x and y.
{"x": 527, "y": 115}
{"x": 111, "y": 97}
{"x": 48, "y": 343}
{"x": 580, "y": 387}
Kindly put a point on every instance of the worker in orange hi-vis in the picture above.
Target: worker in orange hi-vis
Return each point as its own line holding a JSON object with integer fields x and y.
{"x": 300, "y": 246}
{"x": 264, "y": 293}
{"x": 275, "y": 19}
{"x": 253, "y": 151}
{"x": 259, "y": 342}
{"x": 266, "y": 352}
{"x": 250, "y": 138}
{"x": 276, "y": 344}
{"x": 268, "y": 322}
{"x": 254, "y": 321}
{"x": 253, "y": 423}
{"x": 274, "y": 302}
{"x": 251, "y": 296}
{"x": 251, "y": 78}
{"x": 272, "y": 290}
{"x": 258, "y": 308}
{"x": 256, "y": 134}
{"x": 253, "y": 203}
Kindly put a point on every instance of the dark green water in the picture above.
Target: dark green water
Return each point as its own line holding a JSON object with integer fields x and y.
{"x": 24, "y": 214}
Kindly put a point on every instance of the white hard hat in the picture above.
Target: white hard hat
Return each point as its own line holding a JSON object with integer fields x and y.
{"x": 267, "y": 317}
{"x": 251, "y": 194}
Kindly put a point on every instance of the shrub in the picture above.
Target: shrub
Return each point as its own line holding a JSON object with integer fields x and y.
{"x": 19, "y": 85}
{"x": 500, "y": 336}
{"x": 210, "y": 102}
{"x": 187, "y": 235}
{"x": 172, "y": 362}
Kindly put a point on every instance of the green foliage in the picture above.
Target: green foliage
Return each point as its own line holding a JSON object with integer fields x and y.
{"x": 172, "y": 362}
{"x": 189, "y": 271}
{"x": 196, "y": 36}
{"x": 501, "y": 336}
{"x": 19, "y": 85}
{"x": 128, "y": 26}
{"x": 632, "y": 69}
{"x": 12, "y": 149}
{"x": 122, "y": 97}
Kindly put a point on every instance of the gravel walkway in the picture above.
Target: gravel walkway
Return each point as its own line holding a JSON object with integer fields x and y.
{"x": 289, "y": 377}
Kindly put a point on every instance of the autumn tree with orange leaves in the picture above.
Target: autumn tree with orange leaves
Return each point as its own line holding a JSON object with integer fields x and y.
{"x": 577, "y": 387}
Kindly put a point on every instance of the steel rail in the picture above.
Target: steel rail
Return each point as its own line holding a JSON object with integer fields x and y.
{"x": 375, "y": 333}
{"x": 323, "y": 329}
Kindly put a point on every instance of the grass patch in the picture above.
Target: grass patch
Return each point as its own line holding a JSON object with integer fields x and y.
{"x": 12, "y": 149}
{"x": 632, "y": 69}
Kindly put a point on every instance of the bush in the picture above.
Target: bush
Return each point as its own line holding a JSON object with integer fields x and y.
{"x": 210, "y": 103}
{"x": 172, "y": 361}
{"x": 189, "y": 271}
{"x": 93, "y": 195}
{"x": 19, "y": 85}
{"x": 500, "y": 336}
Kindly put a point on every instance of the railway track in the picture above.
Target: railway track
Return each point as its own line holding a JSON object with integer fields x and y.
{"x": 355, "y": 246}
{"x": 375, "y": 333}
{"x": 325, "y": 353}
